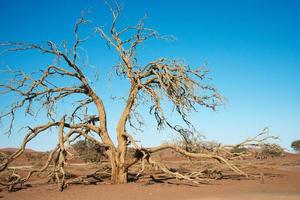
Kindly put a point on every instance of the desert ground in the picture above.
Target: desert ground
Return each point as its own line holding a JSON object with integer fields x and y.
{"x": 270, "y": 178}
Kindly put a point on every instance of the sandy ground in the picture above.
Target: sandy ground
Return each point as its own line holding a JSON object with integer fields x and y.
{"x": 281, "y": 181}
{"x": 286, "y": 186}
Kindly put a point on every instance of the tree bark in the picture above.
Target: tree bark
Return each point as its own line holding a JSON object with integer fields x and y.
{"x": 118, "y": 156}
{"x": 119, "y": 175}
{"x": 118, "y": 169}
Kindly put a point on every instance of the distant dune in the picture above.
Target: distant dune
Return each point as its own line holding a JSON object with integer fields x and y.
{"x": 12, "y": 149}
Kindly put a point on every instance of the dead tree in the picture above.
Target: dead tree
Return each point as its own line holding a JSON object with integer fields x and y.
{"x": 182, "y": 86}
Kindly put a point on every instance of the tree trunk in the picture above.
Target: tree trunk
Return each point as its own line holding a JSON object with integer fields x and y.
{"x": 119, "y": 175}
{"x": 118, "y": 170}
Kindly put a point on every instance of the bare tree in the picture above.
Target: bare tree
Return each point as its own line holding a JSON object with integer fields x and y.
{"x": 181, "y": 85}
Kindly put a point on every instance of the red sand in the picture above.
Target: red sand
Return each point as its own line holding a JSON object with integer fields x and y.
{"x": 285, "y": 187}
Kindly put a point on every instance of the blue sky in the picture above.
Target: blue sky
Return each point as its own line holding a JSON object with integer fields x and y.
{"x": 252, "y": 49}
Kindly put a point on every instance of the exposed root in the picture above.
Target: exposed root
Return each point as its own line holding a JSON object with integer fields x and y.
{"x": 98, "y": 176}
{"x": 198, "y": 155}
{"x": 144, "y": 154}
{"x": 187, "y": 177}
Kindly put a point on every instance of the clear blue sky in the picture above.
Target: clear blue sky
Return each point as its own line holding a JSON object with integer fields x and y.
{"x": 252, "y": 48}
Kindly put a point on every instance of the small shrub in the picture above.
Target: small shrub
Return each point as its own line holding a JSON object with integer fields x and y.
{"x": 273, "y": 150}
{"x": 296, "y": 145}
{"x": 89, "y": 152}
